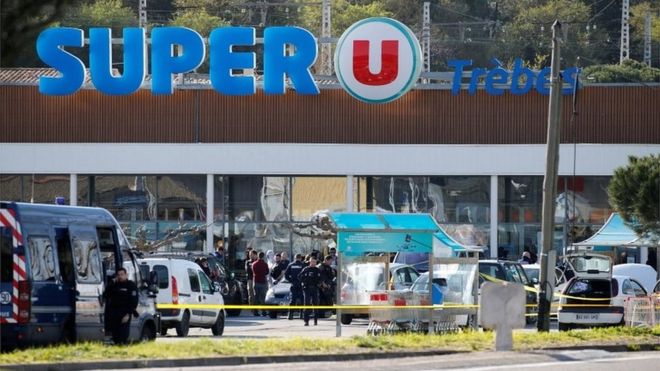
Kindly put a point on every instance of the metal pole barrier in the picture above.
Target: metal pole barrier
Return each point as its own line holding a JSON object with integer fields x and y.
{"x": 550, "y": 180}
{"x": 431, "y": 329}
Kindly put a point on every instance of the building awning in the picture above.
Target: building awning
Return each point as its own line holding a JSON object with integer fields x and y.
{"x": 613, "y": 233}
{"x": 360, "y": 233}
{"x": 385, "y": 222}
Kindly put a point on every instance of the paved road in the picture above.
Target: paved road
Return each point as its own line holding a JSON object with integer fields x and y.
{"x": 587, "y": 360}
{"x": 264, "y": 327}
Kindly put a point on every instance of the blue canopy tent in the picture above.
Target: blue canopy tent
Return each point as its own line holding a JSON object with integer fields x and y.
{"x": 615, "y": 233}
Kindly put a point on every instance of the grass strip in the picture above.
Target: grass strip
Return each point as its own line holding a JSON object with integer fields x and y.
{"x": 219, "y": 347}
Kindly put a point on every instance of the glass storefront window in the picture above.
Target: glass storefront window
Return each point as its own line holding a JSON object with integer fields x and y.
{"x": 313, "y": 194}
{"x": 34, "y": 188}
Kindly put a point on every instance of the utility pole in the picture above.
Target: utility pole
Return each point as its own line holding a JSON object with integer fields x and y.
{"x": 647, "y": 39}
{"x": 142, "y": 13}
{"x": 550, "y": 184}
{"x": 326, "y": 33}
{"x": 426, "y": 39}
{"x": 625, "y": 31}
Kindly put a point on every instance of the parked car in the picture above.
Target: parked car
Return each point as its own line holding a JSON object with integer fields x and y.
{"x": 181, "y": 281}
{"x": 511, "y": 272}
{"x": 644, "y": 274}
{"x": 593, "y": 280}
{"x": 362, "y": 278}
{"x": 453, "y": 287}
{"x": 533, "y": 272}
{"x": 231, "y": 288}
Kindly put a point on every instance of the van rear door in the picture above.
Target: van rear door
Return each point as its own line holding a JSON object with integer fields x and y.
{"x": 89, "y": 282}
{"x": 6, "y": 274}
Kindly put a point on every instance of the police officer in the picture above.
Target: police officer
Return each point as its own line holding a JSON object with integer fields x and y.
{"x": 291, "y": 274}
{"x": 310, "y": 278}
{"x": 121, "y": 298}
{"x": 327, "y": 287}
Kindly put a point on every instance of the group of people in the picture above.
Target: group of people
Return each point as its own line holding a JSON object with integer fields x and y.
{"x": 312, "y": 283}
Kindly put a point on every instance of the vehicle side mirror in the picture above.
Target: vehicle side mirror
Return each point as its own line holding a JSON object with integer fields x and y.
{"x": 215, "y": 287}
{"x": 535, "y": 281}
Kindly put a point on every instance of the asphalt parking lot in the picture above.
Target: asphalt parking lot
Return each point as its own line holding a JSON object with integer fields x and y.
{"x": 248, "y": 326}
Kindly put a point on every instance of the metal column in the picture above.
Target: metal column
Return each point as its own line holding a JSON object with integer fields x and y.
{"x": 326, "y": 33}
{"x": 647, "y": 39}
{"x": 142, "y": 12}
{"x": 426, "y": 39}
{"x": 73, "y": 189}
{"x": 493, "y": 216}
{"x": 625, "y": 31}
{"x": 209, "y": 213}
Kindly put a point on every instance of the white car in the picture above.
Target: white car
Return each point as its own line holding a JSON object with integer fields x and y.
{"x": 644, "y": 274}
{"x": 181, "y": 281}
{"x": 595, "y": 285}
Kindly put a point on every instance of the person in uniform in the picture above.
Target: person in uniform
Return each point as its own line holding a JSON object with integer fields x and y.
{"x": 327, "y": 287}
{"x": 310, "y": 278}
{"x": 121, "y": 299}
{"x": 295, "y": 292}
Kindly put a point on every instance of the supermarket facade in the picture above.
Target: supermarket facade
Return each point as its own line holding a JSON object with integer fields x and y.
{"x": 259, "y": 167}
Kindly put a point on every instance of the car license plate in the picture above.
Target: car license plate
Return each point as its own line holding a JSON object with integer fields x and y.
{"x": 587, "y": 317}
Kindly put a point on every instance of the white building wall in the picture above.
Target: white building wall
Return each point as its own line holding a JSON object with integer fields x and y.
{"x": 311, "y": 159}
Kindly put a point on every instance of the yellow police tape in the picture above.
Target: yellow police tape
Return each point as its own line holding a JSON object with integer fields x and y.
{"x": 383, "y": 307}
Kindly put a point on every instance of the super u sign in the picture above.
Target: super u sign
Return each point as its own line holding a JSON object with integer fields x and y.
{"x": 377, "y": 60}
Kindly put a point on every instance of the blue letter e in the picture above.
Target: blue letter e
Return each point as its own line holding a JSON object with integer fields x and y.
{"x": 72, "y": 69}
{"x": 164, "y": 63}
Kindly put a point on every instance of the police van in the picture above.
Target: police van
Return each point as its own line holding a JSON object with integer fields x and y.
{"x": 55, "y": 264}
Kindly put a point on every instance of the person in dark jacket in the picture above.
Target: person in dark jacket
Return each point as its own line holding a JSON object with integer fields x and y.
{"x": 260, "y": 276}
{"x": 327, "y": 286}
{"x": 250, "y": 258}
{"x": 291, "y": 275}
{"x": 310, "y": 278}
{"x": 121, "y": 299}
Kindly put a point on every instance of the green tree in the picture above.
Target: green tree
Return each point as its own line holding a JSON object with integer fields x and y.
{"x": 530, "y": 32}
{"x": 637, "y": 19}
{"x": 344, "y": 14}
{"x": 199, "y": 20}
{"x": 634, "y": 192}
{"x": 21, "y": 21}
{"x": 629, "y": 71}
{"x": 102, "y": 13}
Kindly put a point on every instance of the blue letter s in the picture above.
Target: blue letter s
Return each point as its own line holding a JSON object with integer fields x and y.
{"x": 72, "y": 69}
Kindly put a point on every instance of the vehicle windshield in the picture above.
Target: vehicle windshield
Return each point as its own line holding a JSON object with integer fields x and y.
{"x": 422, "y": 283}
{"x": 414, "y": 259}
{"x": 513, "y": 274}
{"x": 591, "y": 264}
{"x": 532, "y": 273}
{"x": 367, "y": 276}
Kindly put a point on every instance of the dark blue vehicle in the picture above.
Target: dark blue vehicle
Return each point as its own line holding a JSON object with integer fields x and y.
{"x": 55, "y": 264}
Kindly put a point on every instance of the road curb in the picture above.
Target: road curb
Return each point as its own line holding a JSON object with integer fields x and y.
{"x": 222, "y": 361}
{"x": 237, "y": 361}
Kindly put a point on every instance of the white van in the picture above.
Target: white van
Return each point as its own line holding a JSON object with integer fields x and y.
{"x": 181, "y": 281}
